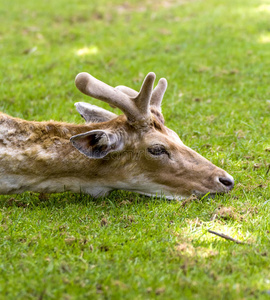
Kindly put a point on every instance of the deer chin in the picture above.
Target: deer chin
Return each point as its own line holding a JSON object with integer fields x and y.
{"x": 147, "y": 189}
{"x": 161, "y": 195}
{"x": 211, "y": 195}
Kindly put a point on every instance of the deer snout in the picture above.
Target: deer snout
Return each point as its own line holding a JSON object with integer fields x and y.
{"x": 227, "y": 182}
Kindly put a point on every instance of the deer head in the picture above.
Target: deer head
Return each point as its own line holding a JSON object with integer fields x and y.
{"x": 136, "y": 149}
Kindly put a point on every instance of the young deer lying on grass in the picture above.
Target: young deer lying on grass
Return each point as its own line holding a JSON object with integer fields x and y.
{"x": 134, "y": 151}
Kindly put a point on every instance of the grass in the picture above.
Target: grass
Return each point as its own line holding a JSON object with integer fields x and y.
{"x": 215, "y": 56}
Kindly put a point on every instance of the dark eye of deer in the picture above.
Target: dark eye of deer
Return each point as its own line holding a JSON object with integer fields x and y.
{"x": 157, "y": 150}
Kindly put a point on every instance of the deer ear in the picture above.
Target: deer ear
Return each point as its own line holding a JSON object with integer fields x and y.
{"x": 94, "y": 114}
{"x": 97, "y": 143}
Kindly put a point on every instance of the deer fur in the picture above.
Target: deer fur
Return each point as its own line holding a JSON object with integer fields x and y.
{"x": 134, "y": 151}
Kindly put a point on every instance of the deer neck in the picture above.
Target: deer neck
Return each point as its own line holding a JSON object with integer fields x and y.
{"x": 38, "y": 157}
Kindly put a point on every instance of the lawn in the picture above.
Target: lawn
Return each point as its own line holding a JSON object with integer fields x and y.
{"x": 215, "y": 56}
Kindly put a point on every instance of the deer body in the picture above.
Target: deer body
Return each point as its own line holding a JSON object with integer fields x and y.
{"x": 134, "y": 152}
{"x": 38, "y": 157}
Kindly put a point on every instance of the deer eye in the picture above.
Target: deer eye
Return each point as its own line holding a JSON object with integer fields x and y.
{"x": 157, "y": 150}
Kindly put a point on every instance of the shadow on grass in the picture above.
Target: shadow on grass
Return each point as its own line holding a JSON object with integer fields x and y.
{"x": 30, "y": 200}
{"x": 116, "y": 198}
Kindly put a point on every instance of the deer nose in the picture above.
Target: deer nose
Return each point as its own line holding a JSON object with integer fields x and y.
{"x": 228, "y": 182}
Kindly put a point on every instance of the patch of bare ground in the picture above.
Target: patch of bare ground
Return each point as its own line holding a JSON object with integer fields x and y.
{"x": 184, "y": 247}
{"x": 223, "y": 213}
{"x": 127, "y": 7}
{"x": 187, "y": 249}
{"x": 226, "y": 213}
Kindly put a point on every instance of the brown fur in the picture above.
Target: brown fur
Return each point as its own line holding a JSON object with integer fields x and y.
{"x": 43, "y": 148}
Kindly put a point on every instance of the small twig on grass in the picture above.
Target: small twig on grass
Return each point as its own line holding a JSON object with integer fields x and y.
{"x": 224, "y": 236}
{"x": 268, "y": 170}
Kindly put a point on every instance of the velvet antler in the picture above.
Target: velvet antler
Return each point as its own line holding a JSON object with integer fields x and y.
{"x": 136, "y": 107}
{"x": 158, "y": 94}
{"x": 156, "y": 97}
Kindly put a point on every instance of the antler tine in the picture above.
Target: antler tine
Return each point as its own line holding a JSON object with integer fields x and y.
{"x": 95, "y": 88}
{"x": 128, "y": 91}
{"x": 143, "y": 98}
{"x": 158, "y": 94}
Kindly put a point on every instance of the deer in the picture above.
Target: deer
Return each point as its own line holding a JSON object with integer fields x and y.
{"x": 133, "y": 151}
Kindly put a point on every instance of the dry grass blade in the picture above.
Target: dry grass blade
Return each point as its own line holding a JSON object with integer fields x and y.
{"x": 189, "y": 200}
{"x": 267, "y": 170}
{"x": 224, "y": 236}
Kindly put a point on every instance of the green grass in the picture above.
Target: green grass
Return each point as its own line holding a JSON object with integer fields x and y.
{"x": 215, "y": 56}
